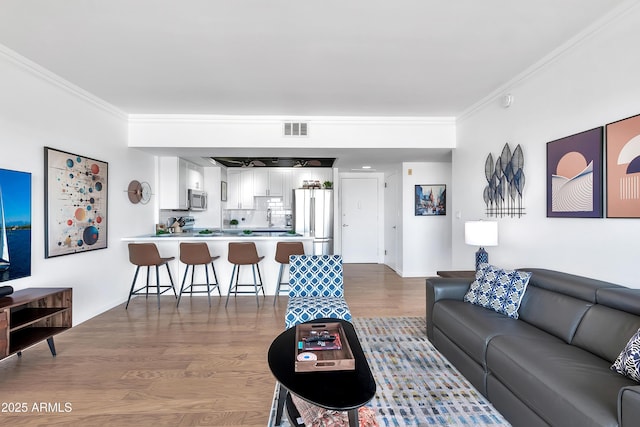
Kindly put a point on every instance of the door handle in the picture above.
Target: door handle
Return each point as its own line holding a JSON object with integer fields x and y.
{"x": 345, "y": 225}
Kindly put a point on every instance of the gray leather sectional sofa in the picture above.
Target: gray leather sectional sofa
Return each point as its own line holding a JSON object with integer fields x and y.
{"x": 551, "y": 366}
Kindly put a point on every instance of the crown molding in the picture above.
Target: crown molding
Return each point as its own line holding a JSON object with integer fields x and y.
{"x": 54, "y": 79}
{"x": 558, "y": 53}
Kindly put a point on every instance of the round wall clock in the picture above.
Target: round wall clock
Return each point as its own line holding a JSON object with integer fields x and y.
{"x": 139, "y": 192}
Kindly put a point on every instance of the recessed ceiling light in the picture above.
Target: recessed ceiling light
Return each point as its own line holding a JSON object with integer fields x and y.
{"x": 366, "y": 167}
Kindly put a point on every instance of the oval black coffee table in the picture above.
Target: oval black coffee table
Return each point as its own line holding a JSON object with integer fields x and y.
{"x": 337, "y": 390}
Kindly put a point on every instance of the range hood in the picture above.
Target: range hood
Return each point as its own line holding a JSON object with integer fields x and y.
{"x": 275, "y": 162}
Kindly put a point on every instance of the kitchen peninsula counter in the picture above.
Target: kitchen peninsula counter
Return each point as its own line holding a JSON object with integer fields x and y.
{"x": 218, "y": 242}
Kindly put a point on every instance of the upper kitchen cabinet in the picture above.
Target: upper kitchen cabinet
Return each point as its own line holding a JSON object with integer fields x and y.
{"x": 176, "y": 176}
{"x": 240, "y": 189}
{"x": 269, "y": 182}
{"x": 195, "y": 177}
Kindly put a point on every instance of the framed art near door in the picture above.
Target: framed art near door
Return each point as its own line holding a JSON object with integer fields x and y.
{"x": 75, "y": 203}
{"x": 430, "y": 199}
{"x": 623, "y": 168}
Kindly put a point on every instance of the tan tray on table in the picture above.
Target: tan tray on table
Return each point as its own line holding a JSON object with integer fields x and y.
{"x": 327, "y": 360}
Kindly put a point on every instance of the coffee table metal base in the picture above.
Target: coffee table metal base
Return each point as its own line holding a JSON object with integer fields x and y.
{"x": 284, "y": 399}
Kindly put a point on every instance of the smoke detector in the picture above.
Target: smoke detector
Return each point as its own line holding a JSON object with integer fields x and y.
{"x": 507, "y": 100}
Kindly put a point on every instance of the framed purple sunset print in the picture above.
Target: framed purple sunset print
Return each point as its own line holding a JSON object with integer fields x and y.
{"x": 75, "y": 203}
{"x": 574, "y": 175}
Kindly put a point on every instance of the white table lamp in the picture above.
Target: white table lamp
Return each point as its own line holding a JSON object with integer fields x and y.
{"x": 481, "y": 233}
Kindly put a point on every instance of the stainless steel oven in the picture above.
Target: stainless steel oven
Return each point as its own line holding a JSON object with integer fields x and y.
{"x": 197, "y": 200}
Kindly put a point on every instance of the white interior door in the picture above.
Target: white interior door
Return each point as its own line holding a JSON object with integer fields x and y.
{"x": 359, "y": 202}
{"x": 391, "y": 221}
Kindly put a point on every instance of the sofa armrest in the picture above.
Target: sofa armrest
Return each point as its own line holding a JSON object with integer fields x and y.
{"x": 439, "y": 288}
{"x": 629, "y": 406}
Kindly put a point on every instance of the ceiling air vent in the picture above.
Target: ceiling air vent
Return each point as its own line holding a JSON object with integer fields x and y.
{"x": 295, "y": 128}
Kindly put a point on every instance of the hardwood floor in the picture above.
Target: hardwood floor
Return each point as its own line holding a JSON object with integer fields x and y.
{"x": 175, "y": 367}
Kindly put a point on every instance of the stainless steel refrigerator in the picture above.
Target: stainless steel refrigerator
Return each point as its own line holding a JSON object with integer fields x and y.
{"x": 313, "y": 216}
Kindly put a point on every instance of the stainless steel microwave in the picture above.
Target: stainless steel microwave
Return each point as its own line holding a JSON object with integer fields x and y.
{"x": 197, "y": 200}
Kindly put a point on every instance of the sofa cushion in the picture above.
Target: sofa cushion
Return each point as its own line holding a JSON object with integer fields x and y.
{"x": 470, "y": 368}
{"x": 498, "y": 289}
{"x": 620, "y": 298}
{"x": 471, "y": 326}
{"x": 566, "y": 385}
{"x": 628, "y": 362}
{"x": 596, "y": 334}
{"x": 553, "y": 312}
{"x": 580, "y": 287}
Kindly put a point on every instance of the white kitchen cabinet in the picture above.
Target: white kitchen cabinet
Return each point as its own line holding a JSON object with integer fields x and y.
{"x": 240, "y": 189}
{"x": 245, "y": 184}
{"x": 176, "y": 176}
{"x": 172, "y": 188}
{"x": 195, "y": 177}
{"x": 269, "y": 182}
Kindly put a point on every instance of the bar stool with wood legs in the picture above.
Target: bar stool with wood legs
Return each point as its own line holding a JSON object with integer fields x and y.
{"x": 283, "y": 251}
{"x": 244, "y": 253}
{"x": 193, "y": 254}
{"x": 147, "y": 255}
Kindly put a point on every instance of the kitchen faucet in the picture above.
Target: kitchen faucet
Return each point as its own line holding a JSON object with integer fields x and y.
{"x": 269, "y": 223}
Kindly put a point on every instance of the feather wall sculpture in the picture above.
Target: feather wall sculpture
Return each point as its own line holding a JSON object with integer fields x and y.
{"x": 505, "y": 183}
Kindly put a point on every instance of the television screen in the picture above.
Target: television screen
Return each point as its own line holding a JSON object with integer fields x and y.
{"x": 15, "y": 224}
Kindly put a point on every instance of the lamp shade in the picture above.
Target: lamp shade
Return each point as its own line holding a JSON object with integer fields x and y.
{"x": 481, "y": 233}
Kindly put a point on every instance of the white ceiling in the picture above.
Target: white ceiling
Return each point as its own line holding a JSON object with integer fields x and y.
{"x": 292, "y": 57}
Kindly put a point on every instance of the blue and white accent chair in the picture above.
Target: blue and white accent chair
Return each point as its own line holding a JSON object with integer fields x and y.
{"x": 316, "y": 289}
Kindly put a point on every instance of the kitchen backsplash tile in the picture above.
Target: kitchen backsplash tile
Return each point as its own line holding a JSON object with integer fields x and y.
{"x": 254, "y": 218}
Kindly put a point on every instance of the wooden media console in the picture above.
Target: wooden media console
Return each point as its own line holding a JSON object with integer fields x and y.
{"x": 33, "y": 315}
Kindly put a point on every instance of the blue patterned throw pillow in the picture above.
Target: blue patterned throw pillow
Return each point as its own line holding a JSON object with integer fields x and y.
{"x": 628, "y": 362}
{"x": 498, "y": 289}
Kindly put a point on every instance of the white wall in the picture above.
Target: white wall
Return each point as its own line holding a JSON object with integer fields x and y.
{"x": 589, "y": 83}
{"x": 38, "y": 109}
{"x": 426, "y": 240}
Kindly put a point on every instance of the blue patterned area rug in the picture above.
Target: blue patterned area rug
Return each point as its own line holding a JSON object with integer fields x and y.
{"x": 417, "y": 386}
